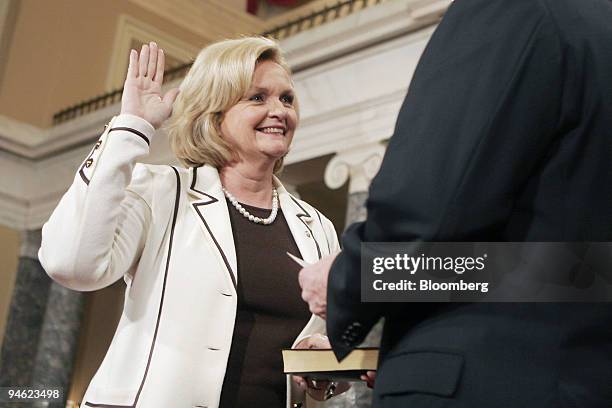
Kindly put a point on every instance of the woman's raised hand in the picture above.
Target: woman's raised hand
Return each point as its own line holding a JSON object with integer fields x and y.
{"x": 142, "y": 89}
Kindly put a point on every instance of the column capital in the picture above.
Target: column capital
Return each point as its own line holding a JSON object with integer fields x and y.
{"x": 358, "y": 165}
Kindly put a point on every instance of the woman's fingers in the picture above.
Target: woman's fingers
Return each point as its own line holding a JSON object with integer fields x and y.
{"x": 317, "y": 385}
{"x": 370, "y": 378}
{"x": 144, "y": 60}
{"x": 159, "y": 72}
{"x": 318, "y": 341}
{"x": 300, "y": 381}
{"x": 133, "y": 65}
{"x": 152, "y": 65}
{"x": 149, "y": 63}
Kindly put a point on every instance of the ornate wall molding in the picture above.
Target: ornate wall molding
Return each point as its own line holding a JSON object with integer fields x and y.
{"x": 361, "y": 30}
{"x": 218, "y": 20}
{"x": 130, "y": 30}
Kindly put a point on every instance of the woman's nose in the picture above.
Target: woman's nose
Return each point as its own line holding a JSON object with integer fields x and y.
{"x": 277, "y": 110}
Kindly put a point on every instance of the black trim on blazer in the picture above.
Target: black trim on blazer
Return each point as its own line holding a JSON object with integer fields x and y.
{"x": 211, "y": 201}
{"x": 82, "y": 174}
{"x": 227, "y": 265}
{"x": 89, "y": 157}
{"x": 323, "y": 228}
{"x": 134, "y": 131}
{"x": 161, "y": 302}
{"x": 305, "y": 214}
{"x": 193, "y": 183}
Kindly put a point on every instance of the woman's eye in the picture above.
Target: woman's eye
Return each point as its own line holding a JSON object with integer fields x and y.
{"x": 288, "y": 99}
{"x": 256, "y": 98}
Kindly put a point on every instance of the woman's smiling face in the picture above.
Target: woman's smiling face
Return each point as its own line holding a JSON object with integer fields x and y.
{"x": 262, "y": 123}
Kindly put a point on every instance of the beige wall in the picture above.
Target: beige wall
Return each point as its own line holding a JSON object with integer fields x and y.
{"x": 9, "y": 256}
{"x": 60, "y": 54}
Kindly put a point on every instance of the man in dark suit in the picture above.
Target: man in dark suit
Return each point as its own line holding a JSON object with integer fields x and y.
{"x": 505, "y": 135}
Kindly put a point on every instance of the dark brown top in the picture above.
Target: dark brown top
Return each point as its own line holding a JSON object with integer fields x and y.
{"x": 270, "y": 312}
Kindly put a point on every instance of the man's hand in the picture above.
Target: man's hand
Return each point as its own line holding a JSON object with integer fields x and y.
{"x": 313, "y": 280}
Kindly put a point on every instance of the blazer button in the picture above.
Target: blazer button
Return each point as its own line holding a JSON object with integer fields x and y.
{"x": 308, "y": 234}
{"x": 89, "y": 162}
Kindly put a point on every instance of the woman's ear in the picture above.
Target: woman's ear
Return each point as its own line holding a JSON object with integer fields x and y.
{"x": 217, "y": 121}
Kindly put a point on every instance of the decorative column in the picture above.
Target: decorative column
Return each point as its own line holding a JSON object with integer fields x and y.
{"x": 357, "y": 166}
{"x": 26, "y": 315}
{"x": 56, "y": 352}
{"x": 41, "y": 337}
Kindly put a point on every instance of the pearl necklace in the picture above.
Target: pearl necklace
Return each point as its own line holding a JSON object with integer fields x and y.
{"x": 248, "y": 215}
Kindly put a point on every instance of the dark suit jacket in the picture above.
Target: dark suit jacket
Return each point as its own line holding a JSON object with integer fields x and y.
{"x": 505, "y": 135}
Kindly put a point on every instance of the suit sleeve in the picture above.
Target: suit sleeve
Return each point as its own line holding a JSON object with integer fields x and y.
{"x": 481, "y": 113}
{"x": 97, "y": 231}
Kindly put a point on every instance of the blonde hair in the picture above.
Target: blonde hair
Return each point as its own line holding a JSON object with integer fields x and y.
{"x": 219, "y": 77}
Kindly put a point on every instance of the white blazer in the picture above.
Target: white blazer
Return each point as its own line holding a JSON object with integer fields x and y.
{"x": 166, "y": 231}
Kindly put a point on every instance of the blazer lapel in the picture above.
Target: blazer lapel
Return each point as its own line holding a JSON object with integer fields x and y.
{"x": 212, "y": 213}
{"x": 300, "y": 223}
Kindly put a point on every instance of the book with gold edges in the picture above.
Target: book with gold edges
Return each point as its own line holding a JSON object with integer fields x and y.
{"x": 322, "y": 364}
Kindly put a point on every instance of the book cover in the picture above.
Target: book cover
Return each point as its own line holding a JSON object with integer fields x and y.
{"x": 321, "y": 364}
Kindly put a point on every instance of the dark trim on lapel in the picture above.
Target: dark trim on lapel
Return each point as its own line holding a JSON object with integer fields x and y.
{"x": 225, "y": 261}
{"x": 211, "y": 200}
{"x": 300, "y": 217}
{"x": 193, "y": 183}
{"x": 161, "y": 302}
{"x": 323, "y": 228}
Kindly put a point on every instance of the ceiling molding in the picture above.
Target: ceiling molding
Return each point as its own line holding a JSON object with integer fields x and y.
{"x": 211, "y": 19}
{"x": 30, "y": 142}
{"x": 360, "y": 30}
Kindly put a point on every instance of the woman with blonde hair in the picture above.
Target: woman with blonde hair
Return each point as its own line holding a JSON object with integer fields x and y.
{"x": 211, "y": 295}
